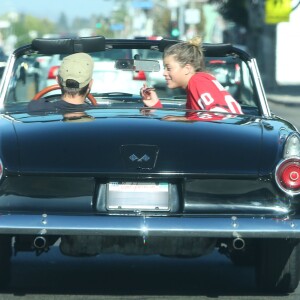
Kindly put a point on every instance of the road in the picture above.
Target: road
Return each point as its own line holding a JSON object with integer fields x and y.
{"x": 287, "y": 111}
{"x": 125, "y": 275}
{"x": 110, "y": 277}
{"x": 54, "y": 276}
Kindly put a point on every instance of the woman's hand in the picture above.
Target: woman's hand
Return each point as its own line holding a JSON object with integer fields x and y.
{"x": 149, "y": 95}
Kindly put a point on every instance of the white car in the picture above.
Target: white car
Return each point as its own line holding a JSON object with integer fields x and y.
{"x": 106, "y": 77}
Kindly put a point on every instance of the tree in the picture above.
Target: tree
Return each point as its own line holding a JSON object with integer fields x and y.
{"x": 235, "y": 11}
{"x": 62, "y": 24}
{"x": 260, "y": 38}
{"x": 26, "y": 24}
{"x": 162, "y": 21}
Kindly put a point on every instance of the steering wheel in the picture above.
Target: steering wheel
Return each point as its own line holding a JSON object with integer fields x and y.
{"x": 57, "y": 87}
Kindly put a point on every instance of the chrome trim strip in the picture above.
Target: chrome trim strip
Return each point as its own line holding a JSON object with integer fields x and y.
{"x": 141, "y": 225}
{"x": 6, "y": 78}
{"x": 260, "y": 88}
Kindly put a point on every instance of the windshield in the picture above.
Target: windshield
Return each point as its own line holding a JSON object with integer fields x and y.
{"x": 33, "y": 73}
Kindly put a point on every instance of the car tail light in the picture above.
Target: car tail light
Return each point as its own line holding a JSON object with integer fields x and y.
{"x": 237, "y": 77}
{"x": 292, "y": 146}
{"x": 287, "y": 173}
{"x": 53, "y": 72}
{"x": 140, "y": 75}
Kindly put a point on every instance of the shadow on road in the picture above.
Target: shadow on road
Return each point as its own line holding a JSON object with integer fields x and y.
{"x": 52, "y": 273}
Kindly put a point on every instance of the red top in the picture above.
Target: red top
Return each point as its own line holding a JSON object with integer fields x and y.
{"x": 204, "y": 92}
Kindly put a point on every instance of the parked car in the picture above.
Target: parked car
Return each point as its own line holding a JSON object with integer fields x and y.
{"x": 119, "y": 178}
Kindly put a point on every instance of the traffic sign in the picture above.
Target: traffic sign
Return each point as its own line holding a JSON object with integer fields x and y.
{"x": 277, "y": 11}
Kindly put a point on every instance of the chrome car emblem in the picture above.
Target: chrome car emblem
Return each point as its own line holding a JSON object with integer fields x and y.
{"x": 139, "y": 156}
{"x": 133, "y": 157}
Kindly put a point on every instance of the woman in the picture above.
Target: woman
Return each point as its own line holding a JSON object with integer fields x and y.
{"x": 184, "y": 68}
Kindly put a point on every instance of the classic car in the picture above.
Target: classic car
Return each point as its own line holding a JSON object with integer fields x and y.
{"x": 120, "y": 178}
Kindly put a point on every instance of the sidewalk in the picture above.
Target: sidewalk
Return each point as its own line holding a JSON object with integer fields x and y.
{"x": 284, "y": 95}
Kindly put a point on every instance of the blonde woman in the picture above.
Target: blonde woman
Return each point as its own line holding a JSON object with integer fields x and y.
{"x": 184, "y": 68}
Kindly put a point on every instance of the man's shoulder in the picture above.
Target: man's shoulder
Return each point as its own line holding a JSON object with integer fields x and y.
{"x": 40, "y": 104}
{"x": 44, "y": 105}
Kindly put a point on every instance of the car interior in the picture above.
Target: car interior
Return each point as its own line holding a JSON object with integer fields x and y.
{"x": 119, "y": 72}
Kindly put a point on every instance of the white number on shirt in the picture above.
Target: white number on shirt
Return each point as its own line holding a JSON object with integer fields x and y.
{"x": 206, "y": 99}
{"x": 233, "y": 105}
{"x": 219, "y": 85}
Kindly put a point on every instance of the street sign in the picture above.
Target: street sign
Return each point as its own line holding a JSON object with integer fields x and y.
{"x": 144, "y": 4}
{"x": 277, "y": 11}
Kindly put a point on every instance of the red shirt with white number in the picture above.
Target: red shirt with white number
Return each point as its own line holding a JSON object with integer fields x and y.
{"x": 204, "y": 92}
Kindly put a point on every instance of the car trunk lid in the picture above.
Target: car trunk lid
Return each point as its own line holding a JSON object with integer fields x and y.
{"x": 116, "y": 143}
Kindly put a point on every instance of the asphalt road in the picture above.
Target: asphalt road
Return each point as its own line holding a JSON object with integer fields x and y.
{"x": 289, "y": 111}
{"x": 54, "y": 276}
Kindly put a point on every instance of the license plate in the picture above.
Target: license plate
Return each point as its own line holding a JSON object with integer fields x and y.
{"x": 143, "y": 196}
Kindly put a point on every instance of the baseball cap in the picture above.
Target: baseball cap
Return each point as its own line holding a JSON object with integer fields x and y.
{"x": 78, "y": 67}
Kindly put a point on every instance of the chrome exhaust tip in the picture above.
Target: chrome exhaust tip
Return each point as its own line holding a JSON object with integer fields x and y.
{"x": 40, "y": 242}
{"x": 238, "y": 244}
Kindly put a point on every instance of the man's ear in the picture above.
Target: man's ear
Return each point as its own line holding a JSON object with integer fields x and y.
{"x": 91, "y": 83}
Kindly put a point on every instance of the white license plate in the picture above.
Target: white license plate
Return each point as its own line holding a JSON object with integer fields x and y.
{"x": 138, "y": 196}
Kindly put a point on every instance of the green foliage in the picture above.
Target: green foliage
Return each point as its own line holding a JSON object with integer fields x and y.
{"x": 62, "y": 25}
{"x": 104, "y": 29}
{"x": 162, "y": 20}
{"x": 25, "y": 27}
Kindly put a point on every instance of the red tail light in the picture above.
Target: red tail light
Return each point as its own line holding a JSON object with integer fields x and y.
{"x": 237, "y": 77}
{"x": 217, "y": 61}
{"x": 288, "y": 175}
{"x": 140, "y": 75}
{"x": 53, "y": 72}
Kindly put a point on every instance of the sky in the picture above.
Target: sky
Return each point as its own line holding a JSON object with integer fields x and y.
{"x": 53, "y": 8}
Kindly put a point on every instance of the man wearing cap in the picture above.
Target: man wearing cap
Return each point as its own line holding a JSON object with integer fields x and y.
{"x": 75, "y": 80}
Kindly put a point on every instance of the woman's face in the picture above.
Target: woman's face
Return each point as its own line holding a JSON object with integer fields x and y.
{"x": 174, "y": 73}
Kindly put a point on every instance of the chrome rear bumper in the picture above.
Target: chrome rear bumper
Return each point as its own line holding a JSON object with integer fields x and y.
{"x": 217, "y": 227}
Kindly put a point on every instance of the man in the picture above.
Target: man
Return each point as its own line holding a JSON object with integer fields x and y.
{"x": 75, "y": 80}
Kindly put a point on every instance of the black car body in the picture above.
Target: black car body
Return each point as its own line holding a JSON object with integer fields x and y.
{"x": 121, "y": 179}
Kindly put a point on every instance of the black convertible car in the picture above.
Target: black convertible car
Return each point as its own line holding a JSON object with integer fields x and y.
{"x": 119, "y": 178}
